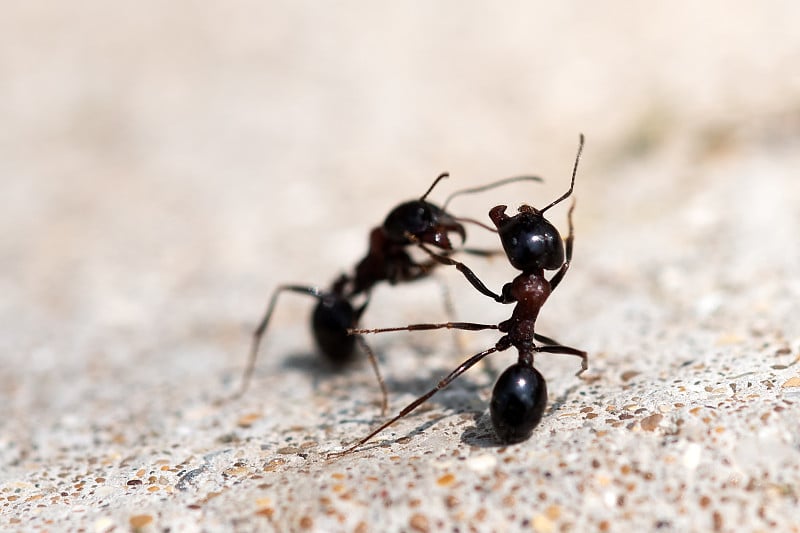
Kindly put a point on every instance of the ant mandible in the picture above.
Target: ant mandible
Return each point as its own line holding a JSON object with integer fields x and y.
{"x": 532, "y": 245}
{"x": 411, "y": 223}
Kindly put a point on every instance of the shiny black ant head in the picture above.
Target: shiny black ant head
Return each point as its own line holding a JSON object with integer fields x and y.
{"x": 428, "y": 223}
{"x": 530, "y": 241}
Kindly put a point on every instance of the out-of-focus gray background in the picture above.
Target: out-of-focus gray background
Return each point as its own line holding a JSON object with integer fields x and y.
{"x": 164, "y": 167}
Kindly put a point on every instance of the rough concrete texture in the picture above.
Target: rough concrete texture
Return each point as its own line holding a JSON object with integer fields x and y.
{"x": 165, "y": 166}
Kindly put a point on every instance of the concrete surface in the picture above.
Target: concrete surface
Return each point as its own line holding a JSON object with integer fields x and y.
{"x": 164, "y": 167}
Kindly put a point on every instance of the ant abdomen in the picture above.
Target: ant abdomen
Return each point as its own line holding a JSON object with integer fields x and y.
{"x": 330, "y": 320}
{"x": 518, "y": 401}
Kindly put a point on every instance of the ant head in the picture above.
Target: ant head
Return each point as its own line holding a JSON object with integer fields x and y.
{"x": 530, "y": 241}
{"x": 428, "y": 223}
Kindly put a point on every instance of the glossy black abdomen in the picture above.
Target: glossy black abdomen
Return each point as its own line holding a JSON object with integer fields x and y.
{"x": 329, "y": 322}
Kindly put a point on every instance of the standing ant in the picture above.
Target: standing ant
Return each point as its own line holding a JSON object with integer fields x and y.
{"x": 411, "y": 223}
{"x": 532, "y": 245}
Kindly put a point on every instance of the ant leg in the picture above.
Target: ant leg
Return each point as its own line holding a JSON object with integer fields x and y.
{"x": 567, "y": 350}
{"x": 546, "y": 340}
{"x": 262, "y": 326}
{"x": 374, "y": 362}
{"x": 481, "y": 253}
{"x": 470, "y": 326}
{"x": 464, "y": 269}
{"x": 422, "y": 399}
{"x": 556, "y": 279}
{"x": 447, "y": 301}
{"x": 450, "y": 313}
{"x": 426, "y": 267}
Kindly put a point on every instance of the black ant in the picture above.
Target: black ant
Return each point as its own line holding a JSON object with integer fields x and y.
{"x": 411, "y": 223}
{"x": 532, "y": 245}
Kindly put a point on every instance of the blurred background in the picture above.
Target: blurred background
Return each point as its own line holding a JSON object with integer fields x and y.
{"x": 163, "y": 166}
{"x": 153, "y": 153}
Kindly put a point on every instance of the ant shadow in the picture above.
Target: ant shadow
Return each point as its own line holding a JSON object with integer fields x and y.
{"x": 310, "y": 363}
{"x": 321, "y": 372}
{"x": 464, "y": 398}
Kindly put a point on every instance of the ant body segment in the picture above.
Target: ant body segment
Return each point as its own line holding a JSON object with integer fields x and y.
{"x": 532, "y": 245}
{"x": 411, "y": 223}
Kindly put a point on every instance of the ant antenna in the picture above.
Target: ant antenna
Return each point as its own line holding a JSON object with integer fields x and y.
{"x": 492, "y": 185}
{"x": 467, "y": 220}
{"x": 439, "y": 178}
{"x": 571, "y": 185}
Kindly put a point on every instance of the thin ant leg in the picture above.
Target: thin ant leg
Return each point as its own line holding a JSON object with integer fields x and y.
{"x": 556, "y": 279}
{"x": 450, "y": 313}
{"x": 418, "y": 271}
{"x": 262, "y": 326}
{"x": 567, "y": 350}
{"x": 447, "y": 301}
{"x": 374, "y": 362}
{"x": 481, "y": 253}
{"x": 469, "y": 326}
{"x": 464, "y": 269}
{"x": 466, "y": 365}
{"x": 546, "y": 340}
{"x": 422, "y": 270}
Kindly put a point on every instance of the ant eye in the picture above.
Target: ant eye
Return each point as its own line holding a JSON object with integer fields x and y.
{"x": 531, "y": 242}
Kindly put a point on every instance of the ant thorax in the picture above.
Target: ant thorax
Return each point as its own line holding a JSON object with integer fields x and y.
{"x": 529, "y": 291}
